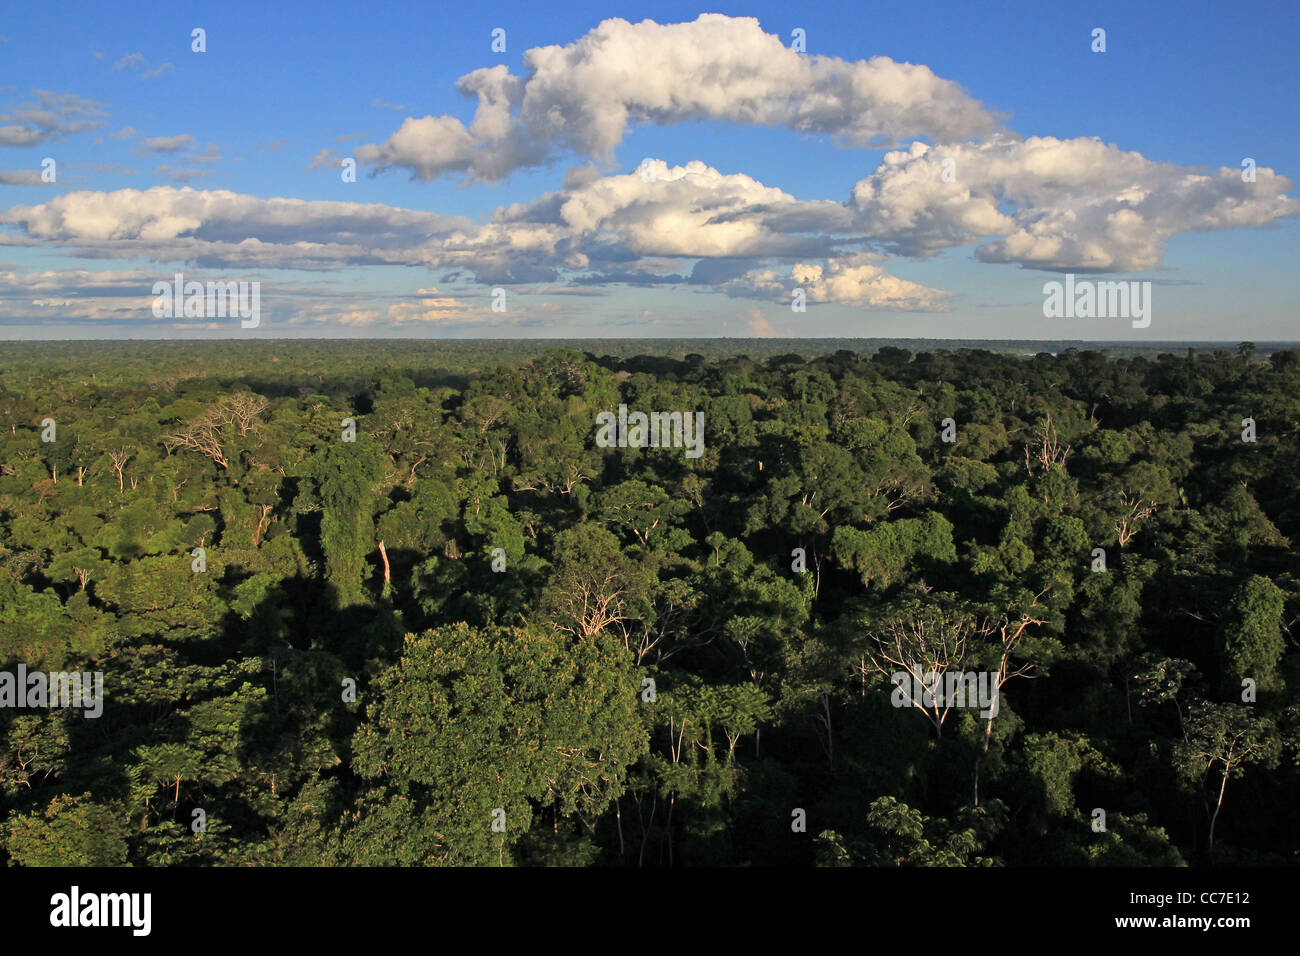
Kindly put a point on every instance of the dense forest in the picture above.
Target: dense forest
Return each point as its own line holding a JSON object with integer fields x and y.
{"x": 355, "y": 605}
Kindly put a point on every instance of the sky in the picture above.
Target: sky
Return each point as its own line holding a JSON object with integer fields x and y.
{"x": 643, "y": 170}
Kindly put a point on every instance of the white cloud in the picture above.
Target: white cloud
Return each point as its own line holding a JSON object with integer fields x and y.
{"x": 584, "y": 96}
{"x": 217, "y": 216}
{"x": 853, "y": 280}
{"x": 428, "y": 147}
{"x": 1045, "y": 203}
{"x": 1055, "y": 204}
{"x": 691, "y": 210}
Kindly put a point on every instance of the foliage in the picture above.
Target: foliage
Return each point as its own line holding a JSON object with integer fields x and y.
{"x": 368, "y": 644}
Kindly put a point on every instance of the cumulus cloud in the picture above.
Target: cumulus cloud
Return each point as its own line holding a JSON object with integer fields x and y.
{"x": 164, "y": 213}
{"x": 583, "y": 97}
{"x": 1058, "y": 204}
{"x": 1043, "y": 203}
{"x": 428, "y": 147}
{"x": 853, "y": 280}
{"x": 660, "y": 210}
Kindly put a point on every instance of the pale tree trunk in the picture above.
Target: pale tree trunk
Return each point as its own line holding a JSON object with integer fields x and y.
{"x": 979, "y": 761}
{"x": 1214, "y": 818}
{"x": 263, "y": 522}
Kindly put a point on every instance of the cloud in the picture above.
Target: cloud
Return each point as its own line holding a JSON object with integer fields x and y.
{"x": 661, "y": 210}
{"x": 75, "y": 282}
{"x": 198, "y": 222}
{"x": 76, "y": 294}
{"x": 83, "y": 297}
{"x": 1041, "y": 203}
{"x": 757, "y": 324}
{"x": 428, "y": 147}
{"x": 179, "y": 174}
{"x": 582, "y": 98}
{"x": 136, "y": 62}
{"x": 854, "y": 280}
{"x": 1057, "y": 204}
{"x": 435, "y": 308}
{"x": 191, "y": 165}
{"x": 52, "y": 116}
{"x": 323, "y": 159}
{"x": 165, "y": 144}
{"x": 426, "y": 307}
{"x": 22, "y": 177}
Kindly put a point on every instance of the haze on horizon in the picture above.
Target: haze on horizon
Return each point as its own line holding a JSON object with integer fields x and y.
{"x": 597, "y": 174}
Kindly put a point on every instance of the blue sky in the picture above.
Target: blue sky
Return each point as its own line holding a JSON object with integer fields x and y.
{"x": 121, "y": 102}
